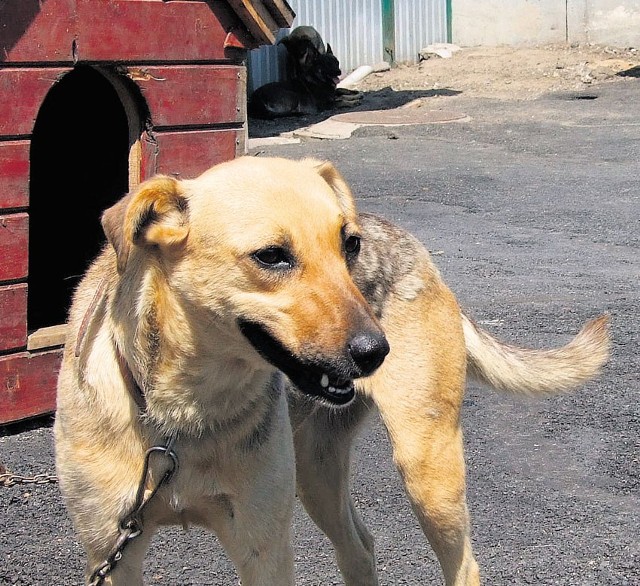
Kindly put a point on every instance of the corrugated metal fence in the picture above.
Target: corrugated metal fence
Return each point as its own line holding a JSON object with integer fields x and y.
{"x": 354, "y": 29}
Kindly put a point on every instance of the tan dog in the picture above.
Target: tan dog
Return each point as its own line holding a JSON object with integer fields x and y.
{"x": 208, "y": 290}
{"x": 168, "y": 330}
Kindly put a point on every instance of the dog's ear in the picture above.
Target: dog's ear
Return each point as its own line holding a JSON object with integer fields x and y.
{"x": 153, "y": 215}
{"x": 329, "y": 51}
{"x": 332, "y": 176}
{"x": 309, "y": 55}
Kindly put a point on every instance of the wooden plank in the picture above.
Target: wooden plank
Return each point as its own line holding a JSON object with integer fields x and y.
{"x": 149, "y": 31}
{"x": 281, "y": 12}
{"x": 14, "y": 246}
{"x": 14, "y": 174}
{"x": 192, "y": 95}
{"x": 257, "y": 19}
{"x": 13, "y": 316}
{"x": 28, "y": 385}
{"x": 187, "y": 154}
{"x": 47, "y": 337}
{"x": 22, "y": 91}
{"x": 37, "y": 31}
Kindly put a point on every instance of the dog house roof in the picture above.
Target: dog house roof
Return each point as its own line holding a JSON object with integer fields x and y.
{"x": 263, "y": 18}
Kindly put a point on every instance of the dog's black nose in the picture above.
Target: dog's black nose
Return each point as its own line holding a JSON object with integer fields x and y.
{"x": 368, "y": 351}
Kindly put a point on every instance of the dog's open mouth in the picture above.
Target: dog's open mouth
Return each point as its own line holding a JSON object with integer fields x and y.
{"x": 311, "y": 379}
{"x": 337, "y": 391}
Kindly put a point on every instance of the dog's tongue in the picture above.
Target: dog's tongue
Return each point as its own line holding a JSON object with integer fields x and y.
{"x": 336, "y": 80}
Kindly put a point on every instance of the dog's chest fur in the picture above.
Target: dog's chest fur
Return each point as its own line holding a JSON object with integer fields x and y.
{"x": 213, "y": 468}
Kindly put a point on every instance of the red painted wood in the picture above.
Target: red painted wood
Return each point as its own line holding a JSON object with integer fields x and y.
{"x": 14, "y": 246}
{"x": 149, "y": 31}
{"x": 28, "y": 385}
{"x": 37, "y": 30}
{"x": 14, "y": 174}
{"x": 22, "y": 91}
{"x": 114, "y": 30}
{"x": 192, "y": 94}
{"x": 13, "y": 316}
{"x": 187, "y": 154}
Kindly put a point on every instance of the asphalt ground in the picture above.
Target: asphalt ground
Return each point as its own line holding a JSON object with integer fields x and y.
{"x": 532, "y": 213}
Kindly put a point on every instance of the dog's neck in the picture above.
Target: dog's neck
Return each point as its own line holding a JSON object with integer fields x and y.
{"x": 178, "y": 388}
{"x": 197, "y": 393}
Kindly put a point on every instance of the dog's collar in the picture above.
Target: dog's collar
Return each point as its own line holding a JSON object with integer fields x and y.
{"x": 135, "y": 390}
{"x": 86, "y": 318}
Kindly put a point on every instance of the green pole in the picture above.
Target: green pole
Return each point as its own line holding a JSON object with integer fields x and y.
{"x": 449, "y": 27}
{"x": 388, "y": 31}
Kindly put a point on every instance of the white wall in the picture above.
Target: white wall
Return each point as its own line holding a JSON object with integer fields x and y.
{"x": 609, "y": 22}
{"x": 529, "y": 22}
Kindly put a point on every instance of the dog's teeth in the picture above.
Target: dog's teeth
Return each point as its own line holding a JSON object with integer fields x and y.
{"x": 324, "y": 381}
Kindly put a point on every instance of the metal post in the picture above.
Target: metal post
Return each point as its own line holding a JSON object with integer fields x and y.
{"x": 388, "y": 31}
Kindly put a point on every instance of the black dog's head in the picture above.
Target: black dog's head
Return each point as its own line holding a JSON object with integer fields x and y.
{"x": 311, "y": 64}
{"x": 323, "y": 69}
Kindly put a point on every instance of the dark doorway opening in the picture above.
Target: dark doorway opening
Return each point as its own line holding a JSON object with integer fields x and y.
{"x": 79, "y": 167}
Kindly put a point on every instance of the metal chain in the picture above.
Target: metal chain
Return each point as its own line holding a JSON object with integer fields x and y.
{"x": 9, "y": 479}
{"x": 131, "y": 524}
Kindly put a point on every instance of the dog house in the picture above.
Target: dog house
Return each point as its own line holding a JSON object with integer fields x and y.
{"x": 96, "y": 96}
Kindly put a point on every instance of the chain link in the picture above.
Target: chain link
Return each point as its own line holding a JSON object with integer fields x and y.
{"x": 8, "y": 479}
{"x": 131, "y": 525}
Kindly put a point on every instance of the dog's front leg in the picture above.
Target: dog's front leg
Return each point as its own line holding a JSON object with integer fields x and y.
{"x": 128, "y": 569}
{"x": 323, "y": 446}
{"x": 255, "y": 527}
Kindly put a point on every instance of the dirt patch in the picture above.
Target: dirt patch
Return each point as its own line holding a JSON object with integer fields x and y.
{"x": 522, "y": 73}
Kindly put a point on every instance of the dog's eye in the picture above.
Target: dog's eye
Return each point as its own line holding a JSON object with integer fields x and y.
{"x": 273, "y": 257}
{"x": 352, "y": 245}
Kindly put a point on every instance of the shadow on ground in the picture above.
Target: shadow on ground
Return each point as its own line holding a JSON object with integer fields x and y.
{"x": 632, "y": 72}
{"x": 384, "y": 99}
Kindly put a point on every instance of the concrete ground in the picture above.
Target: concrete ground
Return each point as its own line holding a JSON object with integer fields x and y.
{"x": 532, "y": 212}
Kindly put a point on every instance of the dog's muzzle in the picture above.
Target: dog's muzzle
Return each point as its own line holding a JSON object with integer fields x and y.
{"x": 331, "y": 378}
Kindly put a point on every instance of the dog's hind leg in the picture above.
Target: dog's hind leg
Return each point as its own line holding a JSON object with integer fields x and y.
{"x": 418, "y": 391}
{"x": 434, "y": 480}
{"x": 323, "y": 452}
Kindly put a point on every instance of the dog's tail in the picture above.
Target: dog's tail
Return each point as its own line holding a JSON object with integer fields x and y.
{"x": 536, "y": 372}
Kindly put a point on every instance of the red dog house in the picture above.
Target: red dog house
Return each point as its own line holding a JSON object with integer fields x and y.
{"x": 95, "y": 96}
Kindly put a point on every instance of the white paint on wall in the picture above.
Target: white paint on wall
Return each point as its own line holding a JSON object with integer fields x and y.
{"x": 508, "y": 22}
{"x": 618, "y": 25}
{"x": 528, "y": 22}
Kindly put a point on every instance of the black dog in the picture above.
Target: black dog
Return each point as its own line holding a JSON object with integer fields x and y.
{"x": 311, "y": 87}
{"x": 303, "y": 45}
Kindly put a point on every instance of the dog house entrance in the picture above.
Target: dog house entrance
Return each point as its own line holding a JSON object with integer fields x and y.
{"x": 79, "y": 166}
